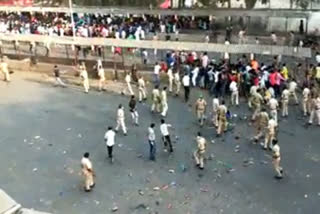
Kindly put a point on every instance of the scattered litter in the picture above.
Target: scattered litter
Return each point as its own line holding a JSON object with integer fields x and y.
{"x": 35, "y": 169}
{"x": 169, "y": 206}
{"x": 237, "y": 137}
{"x": 165, "y": 187}
{"x": 156, "y": 188}
{"x": 171, "y": 170}
{"x": 308, "y": 176}
{"x": 211, "y": 157}
{"x": 64, "y": 152}
{"x": 139, "y": 156}
{"x": 173, "y": 184}
{"x": 115, "y": 209}
{"x": 68, "y": 129}
{"x": 50, "y": 144}
{"x": 235, "y": 115}
{"x": 305, "y": 196}
{"x": 183, "y": 168}
{"x": 263, "y": 162}
{"x": 142, "y": 206}
{"x": 130, "y": 174}
{"x": 230, "y": 170}
{"x": 141, "y": 192}
{"x": 120, "y": 145}
{"x": 97, "y": 202}
{"x": 248, "y": 162}
{"x": 37, "y": 137}
{"x": 30, "y": 143}
{"x": 212, "y": 141}
{"x": 79, "y": 136}
{"x": 204, "y": 190}
{"x": 25, "y": 140}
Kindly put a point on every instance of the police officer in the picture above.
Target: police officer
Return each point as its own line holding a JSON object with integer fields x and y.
{"x": 257, "y": 100}
{"x": 306, "y": 101}
{"x": 271, "y": 133}
{"x": 156, "y": 100}
{"x": 200, "y": 152}
{"x": 276, "y": 158}
{"x": 120, "y": 120}
{"x": 142, "y": 89}
{"x": 85, "y": 78}
{"x": 177, "y": 83}
{"x": 102, "y": 77}
{"x": 170, "y": 78}
{"x": 128, "y": 83}
{"x": 273, "y": 105}
{"x": 201, "y": 106}
{"x": 87, "y": 172}
{"x": 222, "y": 118}
{"x": 285, "y": 101}
{"x": 262, "y": 124}
{"x": 215, "y": 106}
{"x": 5, "y": 70}
{"x": 292, "y": 90}
{"x": 315, "y": 109}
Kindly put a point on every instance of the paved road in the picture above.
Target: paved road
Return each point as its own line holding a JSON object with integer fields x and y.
{"x": 43, "y": 173}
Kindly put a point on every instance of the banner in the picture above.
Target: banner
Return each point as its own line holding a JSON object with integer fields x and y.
{"x": 16, "y": 2}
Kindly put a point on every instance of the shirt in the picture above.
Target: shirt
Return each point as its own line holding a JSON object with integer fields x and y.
{"x": 141, "y": 83}
{"x": 273, "y": 103}
{"x": 120, "y": 113}
{"x": 101, "y": 73}
{"x": 86, "y": 163}
{"x": 157, "y": 69}
{"x": 292, "y": 86}
{"x": 285, "y": 94}
{"x": 151, "y": 134}
{"x": 276, "y": 151}
{"x": 109, "y": 137}
{"x": 186, "y": 81}
{"x": 215, "y": 104}
{"x": 306, "y": 93}
{"x": 164, "y": 129}
{"x": 164, "y": 96}
{"x": 128, "y": 78}
{"x": 272, "y": 125}
{"x": 233, "y": 86}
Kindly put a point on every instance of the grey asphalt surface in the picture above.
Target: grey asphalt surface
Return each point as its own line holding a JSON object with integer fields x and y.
{"x": 44, "y": 173}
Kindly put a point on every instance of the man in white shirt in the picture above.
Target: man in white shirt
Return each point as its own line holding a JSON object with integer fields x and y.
{"x": 152, "y": 142}
{"x": 157, "y": 69}
{"x": 87, "y": 172}
{"x": 120, "y": 120}
{"x": 215, "y": 107}
{"x": 234, "y": 93}
{"x": 241, "y": 37}
{"x": 142, "y": 89}
{"x": 85, "y": 78}
{"x": 292, "y": 89}
{"x": 156, "y": 100}
{"x": 128, "y": 83}
{"x": 205, "y": 60}
{"x": 165, "y": 135}
{"x": 170, "y": 78}
{"x": 177, "y": 83}
{"x": 109, "y": 138}
{"x": 195, "y": 73}
{"x": 315, "y": 110}
{"x": 164, "y": 102}
{"x": 186, "y": 85}
{"x": 271, "y": 134}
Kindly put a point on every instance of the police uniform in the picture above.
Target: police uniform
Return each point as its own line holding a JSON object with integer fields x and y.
{"x": 276, "y": 160}
{"x": 315, "y": 112}
{"x": 262, "y": 124}
{"x": 85, "y": 79}
{"x": 164, "y": 103}
{"x": 87, "y": 172}
{"x": 5, "y": 71}
{"x": 142, "y": 89}
{"x": 120, "y": 121}
{"x": 199, "y": 153}
{"x": 177, "y": 83}
{"x": 292, "y": 91}
{"x": 273, "y": 104}
{"x": 257, "y": 99}
{"x": 156, "y": 100}
{"x": 306, "y": 101}
{"x": 215, "y": 106}
{"x": 285, "y": 101}
{"x": 222, "y": 120}
{"x": 102, "y": 78}
{"x": 271, "y": 133}
{"x": 128, "y": 82}
{"x": 201, "y": 105}
{"x": 253, "y": 91}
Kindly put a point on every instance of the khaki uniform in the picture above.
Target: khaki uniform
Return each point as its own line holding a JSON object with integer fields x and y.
{"x": 306, "y": 101}
{"x": 201, "y": 105}
{"x": 271, "y": 133}
{"x": 87, "y": 172}
{"x": 222, "y": 120}
{"x": 156, "y": 100}
{"x": 85, "y": 80}
{"x": 142, "y": 89}
{"x": 164, "y": 103}
{"x": 262, "y": 125}
{"x": 215, "y": 105}
{"x": 177, "y": 83}
{"x": 292, "y": 91}
{"x": 276, "y": 160}
{"x": 128, "y": 83}
{"x": 199, "y": 153}
{"x": 256, "y": 102}
{"x": 5, "y": 71}
{"x": 273, "y": 104}
{"x": 315, "y": 112}
{"x": 102, "y": 78}
{"x": 120, "y": 121}
{"x": 253, "y": 91}
{"x": 285, "y": 101}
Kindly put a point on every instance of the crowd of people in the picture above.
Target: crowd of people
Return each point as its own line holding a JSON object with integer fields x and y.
{"x": 266, "y": 89}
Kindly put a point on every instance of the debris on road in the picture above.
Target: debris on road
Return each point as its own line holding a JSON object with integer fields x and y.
{"x": 37, "y": 137}
{"x": 68, "y": 129}
{"x": 114, "y": 209}
{"x": 156, "y": 188}
{"x": 35, "y": 169}
{"x": 171, "y": 170}
{"x": 140, "y": 192}
{"x": 79, "y": 136}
